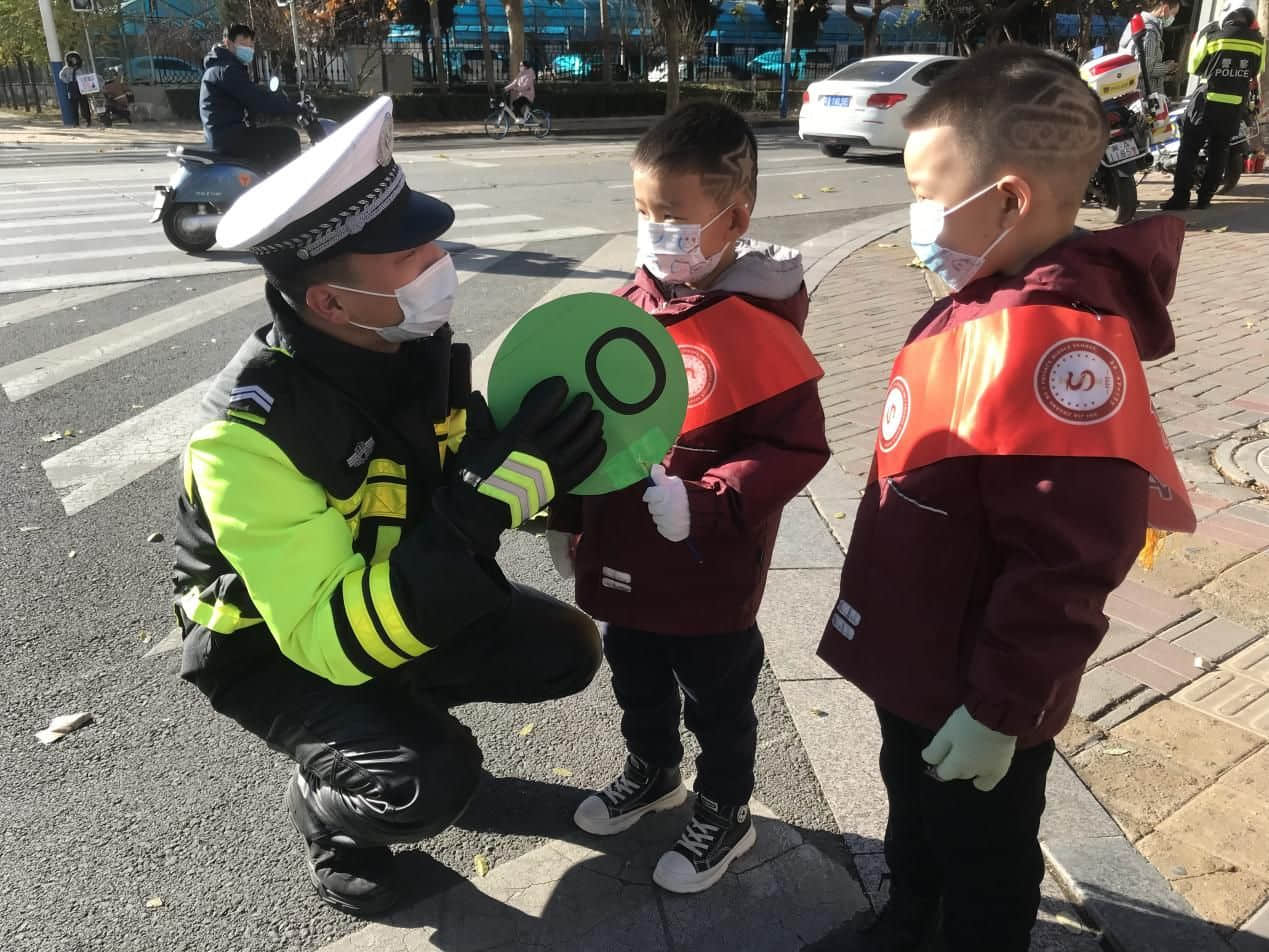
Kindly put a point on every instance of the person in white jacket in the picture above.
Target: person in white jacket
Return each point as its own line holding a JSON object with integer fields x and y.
{"x": 1155, "y": 68}
{"x": 69, "y": 75}
{"x": 522, "y": 91}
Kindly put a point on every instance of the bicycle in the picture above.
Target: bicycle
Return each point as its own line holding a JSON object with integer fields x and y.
{"x": 501, "y": 121}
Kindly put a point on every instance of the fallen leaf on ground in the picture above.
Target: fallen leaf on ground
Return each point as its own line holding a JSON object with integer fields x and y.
{"x": 62, "y": 725}
{"x": 561, "y": 771}
{"x": 154, "y": 902}
{"x": 481, "y": 864}
{"x": 839, "y": 515}
{"x": 29, "y": 528}
{"x": 1116, "y": 751}
{"x": 818, "y": 713}
{"x": 527, "y": 729}
{"x": 917, "y": 263}
{"x": 1219, "y": 230}
{"x": 887, "y": 245}
{"x": 154, "y": 537}
{"x": 51, "y": 437}
{"x": 799, "y": 196}
{"x": 71, "y": 554}
{"x": 828, "y": 188}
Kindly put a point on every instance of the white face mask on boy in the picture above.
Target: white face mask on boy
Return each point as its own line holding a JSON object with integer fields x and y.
{"x": 673, "y": 252}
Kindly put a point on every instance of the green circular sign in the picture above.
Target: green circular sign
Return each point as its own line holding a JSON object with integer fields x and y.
{"x": 622, "y": 357}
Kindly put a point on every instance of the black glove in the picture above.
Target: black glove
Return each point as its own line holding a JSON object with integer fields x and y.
{"x": 501, "y": 480}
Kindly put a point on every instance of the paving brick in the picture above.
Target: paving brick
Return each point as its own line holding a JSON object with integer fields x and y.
{"x": 1147, "y": 609}
{"x": 1139, "y": 786}
{"x": 1102, "y": 688}
{"x": 1120, "y": 638}
{"x": 1128, "y": 708}
{"x": 1221, "y": 893}
{"x": 1202, "y": 745}
{"x": 1241, "y": 593}
{"x": 1256, "y": 534}
{"x": 1170, "y": 656}
{"x": 1253, "y": 661}
{"x": 1228, "y": 823}
{"x": 1251, "y": 776}
{"x": 1254, "y": 935}
{"x": 1147, "y": 672}
{"x": 1216, "y": 640}
{"x": 1186, "y": 562}
{"x": 1256, "y": 511}
{"x": 1186, "y": 626}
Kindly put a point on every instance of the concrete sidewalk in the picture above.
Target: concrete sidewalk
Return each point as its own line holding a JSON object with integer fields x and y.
{"x": 1173, "y": 717}
{"x": 26, "y": 129}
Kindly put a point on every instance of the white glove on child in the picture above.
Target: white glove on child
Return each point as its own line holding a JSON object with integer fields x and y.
{"x": 964, "y": 749}
{"x": 560, "y": 545}
{"x": 667, "y": 501}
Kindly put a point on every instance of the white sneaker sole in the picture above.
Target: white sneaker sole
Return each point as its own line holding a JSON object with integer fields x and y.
{"x": 702, "y": 881}
{"x": 675, "y": 798}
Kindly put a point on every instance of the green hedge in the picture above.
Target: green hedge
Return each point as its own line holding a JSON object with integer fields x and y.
{"x": 563, "y": 101}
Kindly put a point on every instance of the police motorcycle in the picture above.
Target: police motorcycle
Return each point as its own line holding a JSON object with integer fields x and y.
{"x": 1115, "y": 79}
{"x": 1167, "y": 152}
{"x": 207, "y": 183}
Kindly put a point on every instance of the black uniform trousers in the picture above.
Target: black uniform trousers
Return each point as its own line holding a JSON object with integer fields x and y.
{"x": 266, "y": 148}
{"x": 1212, "y": 126}
{"x": 717, "y": 675}
{"x": 976, "y": 850}
{"x": 385, "y": 761}
{"x": 81, "y": 105}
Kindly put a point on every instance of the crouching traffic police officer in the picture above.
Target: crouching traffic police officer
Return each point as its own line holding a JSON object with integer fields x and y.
{"x": 341, "y": 509}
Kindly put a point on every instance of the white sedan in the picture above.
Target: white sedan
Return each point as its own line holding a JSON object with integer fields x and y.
{"x": 864, "y": 104}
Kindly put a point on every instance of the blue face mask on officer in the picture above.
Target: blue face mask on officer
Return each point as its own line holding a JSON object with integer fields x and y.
{"x": 245, "y": 54}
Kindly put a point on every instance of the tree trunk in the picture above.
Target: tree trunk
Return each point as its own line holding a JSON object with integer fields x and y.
{"x": 483, "y": 9}
{"x": 438, "y": 47}
{"x": 515, "y": 33}
{"x": 672, "y": 42}
{"x": 603, "y": 41}
{"x": 1086, "y": 33}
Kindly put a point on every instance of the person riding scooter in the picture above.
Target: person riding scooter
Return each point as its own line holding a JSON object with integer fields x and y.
{"x": 228, "y": 97}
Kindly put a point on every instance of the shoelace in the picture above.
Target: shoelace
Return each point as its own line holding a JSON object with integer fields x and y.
{"x": 621, "y": 788}
{"x": 698, "y": 837}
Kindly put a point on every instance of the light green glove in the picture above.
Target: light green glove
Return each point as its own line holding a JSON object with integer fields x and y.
{"x": 964, "y": 749}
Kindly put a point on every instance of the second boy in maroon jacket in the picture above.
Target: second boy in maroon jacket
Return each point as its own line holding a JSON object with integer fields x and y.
{"x": 677, "y": 570}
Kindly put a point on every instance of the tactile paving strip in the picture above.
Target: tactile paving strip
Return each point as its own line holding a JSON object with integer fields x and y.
{"x": 1237, "y": 692}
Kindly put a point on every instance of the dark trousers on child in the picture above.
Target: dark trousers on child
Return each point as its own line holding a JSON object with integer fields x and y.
{"x": 976, "y": 850}
{"x": 717, "y": 676}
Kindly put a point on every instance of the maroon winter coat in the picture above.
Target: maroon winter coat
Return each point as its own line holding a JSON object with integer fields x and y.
{"x": 982, "y": 580}
{"x": 740, "y": 472}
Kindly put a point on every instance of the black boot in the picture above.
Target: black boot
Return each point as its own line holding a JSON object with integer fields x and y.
{"x": 1202, "y": 202}
{"x": 1175, "y": 204}
{"x": 908, "y": 923}
{"x": 361, "y": 881}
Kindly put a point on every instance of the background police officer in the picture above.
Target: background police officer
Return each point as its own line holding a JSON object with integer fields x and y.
{"x": 341, "y": 508}
{"x": 1228, "y": 56}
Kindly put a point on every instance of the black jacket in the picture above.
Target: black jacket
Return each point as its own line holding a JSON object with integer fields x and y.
{"x": 306, "y": 525}
{"x": 1227, "y": 57}
{"x": 228, "y": 95}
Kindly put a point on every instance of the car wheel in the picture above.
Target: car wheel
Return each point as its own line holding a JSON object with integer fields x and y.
{"x": 835, "y": 151}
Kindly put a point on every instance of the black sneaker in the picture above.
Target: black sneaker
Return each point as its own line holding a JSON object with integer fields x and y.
{"x": 1174, "y": 204}
{"x": 1202, "y": 202}
{"x": 639, "y": 790}
{"x": 355, "y": 880}
{"x": 714, "y": 837}
{"x": 908, "y": 923}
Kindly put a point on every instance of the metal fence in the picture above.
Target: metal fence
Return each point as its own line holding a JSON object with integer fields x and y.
{"x": 26, "y": 86}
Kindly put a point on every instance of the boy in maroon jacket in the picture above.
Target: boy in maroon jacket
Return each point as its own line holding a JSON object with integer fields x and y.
{"x": 677, "y": 569}
{"x": 1018, "y": 467}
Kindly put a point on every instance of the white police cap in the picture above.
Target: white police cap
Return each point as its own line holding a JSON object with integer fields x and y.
{"x": 345, "y": 194}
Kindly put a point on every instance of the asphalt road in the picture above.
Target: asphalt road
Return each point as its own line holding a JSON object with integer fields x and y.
{"x": 105, "y": 332}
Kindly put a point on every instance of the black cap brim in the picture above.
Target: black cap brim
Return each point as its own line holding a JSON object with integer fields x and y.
{"x": 413, "y": 219}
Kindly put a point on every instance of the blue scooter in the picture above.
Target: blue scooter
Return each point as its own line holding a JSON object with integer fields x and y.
{"x": 207, "y": 183}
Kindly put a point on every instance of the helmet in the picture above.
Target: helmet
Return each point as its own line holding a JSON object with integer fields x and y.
{"x": 1234, "y": 6}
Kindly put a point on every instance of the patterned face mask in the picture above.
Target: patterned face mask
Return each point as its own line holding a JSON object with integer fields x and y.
{"x": 673, "y": 252}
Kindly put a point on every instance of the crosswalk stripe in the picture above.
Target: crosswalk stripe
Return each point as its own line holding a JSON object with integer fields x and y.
{"x": 495, "y": 220}
{"x": 817, "y": 170}
{"x": 23, "y": 378}
{"x": 470, "y": 207}
{"x": 79, "y": 220}
{"x": 524, "y": 237}
{"x": 109, "y": 461}
{"x": 75, "y": 236}
{"x": 33, "y": 187}
{"x": 468, "y": 163}
{"x": 190, "y": 268}
{"x": 34, "y": 307}
{"x": 56, "y": 255}
{"x": 98, "y": 193}
{"x": 69, "y": 216}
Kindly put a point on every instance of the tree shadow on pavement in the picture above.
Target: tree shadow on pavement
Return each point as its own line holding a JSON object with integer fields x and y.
{"x": 526, "y": 263}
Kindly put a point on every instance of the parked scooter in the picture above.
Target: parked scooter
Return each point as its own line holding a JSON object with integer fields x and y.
{"x": 116, "y": 99}
{"x": 1116, "y": 80}
{"x": 1167, "y": 153}
{"x": 207, "y": 183}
